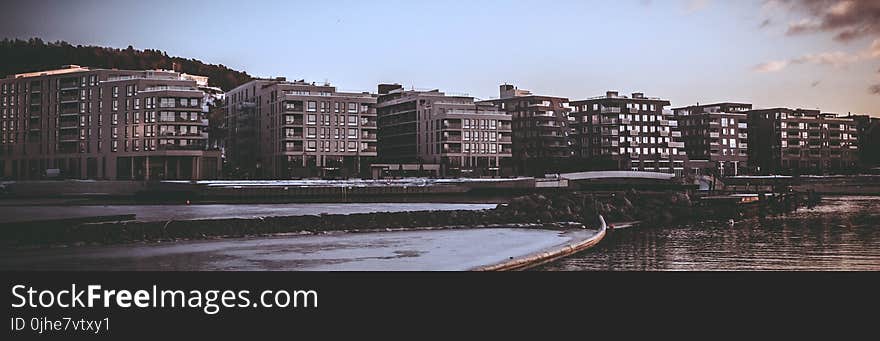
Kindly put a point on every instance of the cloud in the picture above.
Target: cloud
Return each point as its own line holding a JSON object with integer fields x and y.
{"x": 848, "y": 20}
{"x": 771, "y": 66}
{"x": 696, "y": 5}
{"x": 836, "y": 59}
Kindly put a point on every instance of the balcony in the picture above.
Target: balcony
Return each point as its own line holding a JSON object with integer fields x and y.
{"x": 664, "y": 123}
{"x": 368, "y": 150}
{"x": 294, "y": 149}
{"x": 68, "y": 86}
{"x": 69, "y": 98}
{"x": 180, "y": 147}
{"x": 504, "y": 127}
{"x": 293, "y": 122}
{"x": 504, "y": 139}
{"x": 714, "y": 135}
{"x": 742, "y": 135}
{"x": 69, "y": 112}
{"x": 742, "y": 126}
{"x": 68, "y": 138}
{"x": 676, "y": 134}
{"x": 452, "y": 138}
{"x": 176, "y": 134}
{"x": 675, "y": 144}
{"x": 68, "y": 125}
{"x": 743, "y": 145}
{"x": 369, "y": 136}
{"x": 610, "y": 110}
{"x": 368, "y": 124}
{"x": 451, "y": 125}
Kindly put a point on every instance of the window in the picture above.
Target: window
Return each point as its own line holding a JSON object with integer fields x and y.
{"x": 165, "y": 102}
{"x": 352, "y": 120}
{"x": 311, "y": 132}
{"x": 311, "y": 146}
{"x": 312, "y": 107}
{"x": 311, "y": 118}
{"x": 352, "y": 107}
{"x": 193, "y": 102}
{"x": 115, "y": 94}
{"x": 352, "y": 133}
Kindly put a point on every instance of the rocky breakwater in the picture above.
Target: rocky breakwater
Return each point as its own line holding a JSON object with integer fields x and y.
{"x": 536, "y": 210}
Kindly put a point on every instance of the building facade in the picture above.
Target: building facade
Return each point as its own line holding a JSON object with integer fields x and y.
{"x": 541, "y": 140}
{"x": 868, "y": 129}
{"x": 801, "y": 141}
{"x": 715, "y": 137}
{"x": 465, "y": 138}
{"x": 293, "y": 129}
{"x": 615, "y": 132}
{"x": 87, "y": 123}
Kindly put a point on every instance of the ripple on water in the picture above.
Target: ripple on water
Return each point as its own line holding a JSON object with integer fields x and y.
{"x": 841, "y": 233}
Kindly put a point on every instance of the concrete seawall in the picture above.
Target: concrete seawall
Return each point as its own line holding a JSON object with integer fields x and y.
{"x": 546, "y": 256}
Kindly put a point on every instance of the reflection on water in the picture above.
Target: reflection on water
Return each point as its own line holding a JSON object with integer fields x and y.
{"x": 841, "y": 233}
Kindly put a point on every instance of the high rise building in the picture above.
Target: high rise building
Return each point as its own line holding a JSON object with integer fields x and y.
{"x": 90, "y": 123}
{"x": 292, "y": 129}
{"x": 801, "y": 141}
{"x": 715, "y": 137}
{"x": 428, "y": 126}
{"x": 541, "y": 141}
{"x": 615, "y": 132}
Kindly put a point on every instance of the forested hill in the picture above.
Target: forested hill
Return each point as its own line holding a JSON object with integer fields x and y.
{"x": 17, "y": 56}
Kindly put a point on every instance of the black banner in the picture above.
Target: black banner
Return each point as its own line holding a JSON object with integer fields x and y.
{"x": 370, "y": 303}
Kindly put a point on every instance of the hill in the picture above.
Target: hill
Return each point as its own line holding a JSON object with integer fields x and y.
{"x": 17, "y": 56}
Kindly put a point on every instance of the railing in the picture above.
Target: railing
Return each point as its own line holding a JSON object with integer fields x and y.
{"x": 169, "y": 88}
{"x": 294, "y": 149}
{"x": 675, "y": 144}
{"x": 742, "y": 125}
{"x": 179, "y": 147}
{"x": 294, "y": 122}
{"x": 68, "y": 138}
{"x": 610, "y": 110}
{"x": 742, "y": 135}
{"x": 715, "y": 135}
{"x": 676, "y": 134}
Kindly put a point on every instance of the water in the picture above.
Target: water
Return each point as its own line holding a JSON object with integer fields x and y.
{"x": 841, "y": 233}
{"x": 218, "y": 211}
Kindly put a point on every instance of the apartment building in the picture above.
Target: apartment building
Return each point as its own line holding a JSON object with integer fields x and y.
{"x": 801, "y": 141}
{"x": 541, "y": 141}
{"x": 715, "y": 137}
{"x": 615, "y": 132}
{"x": 429, "y": 126}
{"x": 90, "y": 123}
{"x": 293, "y": 129}
{"x": 868, "y": 129}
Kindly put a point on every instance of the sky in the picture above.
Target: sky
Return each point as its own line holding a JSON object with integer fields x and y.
{"x": 818, "y": 54}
